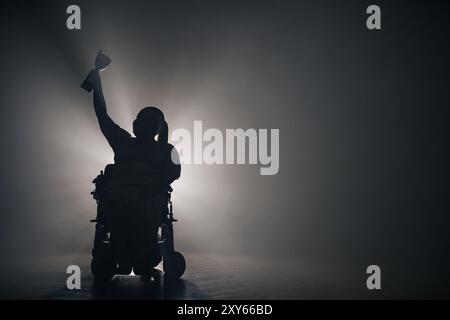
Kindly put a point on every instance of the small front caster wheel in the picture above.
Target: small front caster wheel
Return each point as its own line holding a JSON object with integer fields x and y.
{"x": 175, "y": 266}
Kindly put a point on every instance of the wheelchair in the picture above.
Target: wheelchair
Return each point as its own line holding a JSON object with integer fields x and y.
{"x": 105, "y": 261}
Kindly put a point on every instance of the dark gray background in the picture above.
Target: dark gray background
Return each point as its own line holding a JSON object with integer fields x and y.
{"x": 363, "y": 118}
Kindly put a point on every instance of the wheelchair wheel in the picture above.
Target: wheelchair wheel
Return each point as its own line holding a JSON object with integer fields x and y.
{"x": 103, "y": 264}
{"x": 101, "y": 270}
{"x": 175, "y": 267}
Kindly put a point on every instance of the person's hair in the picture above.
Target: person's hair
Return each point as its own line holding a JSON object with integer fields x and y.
{"x": 148, "y": 123}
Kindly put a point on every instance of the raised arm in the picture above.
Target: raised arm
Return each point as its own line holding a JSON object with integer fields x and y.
{"x": 99, "y": 103}
{"x": 112, "y": 132}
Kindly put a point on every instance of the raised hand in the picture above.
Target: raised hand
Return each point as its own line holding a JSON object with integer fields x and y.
{"x": 102, "y": 61}
{"x": 92, "y": 80}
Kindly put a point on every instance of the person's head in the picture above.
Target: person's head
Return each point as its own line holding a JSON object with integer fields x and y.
{"x": 148, "y": 123}
{"x": 164, "y": 134}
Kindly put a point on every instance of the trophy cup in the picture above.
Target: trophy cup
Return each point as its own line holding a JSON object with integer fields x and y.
{"x": 102, "y": 61}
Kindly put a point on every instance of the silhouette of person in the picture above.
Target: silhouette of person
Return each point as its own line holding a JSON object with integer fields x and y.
{"x": 142, "y": 173}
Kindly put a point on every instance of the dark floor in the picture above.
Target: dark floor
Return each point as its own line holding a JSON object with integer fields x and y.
{"x": 208, "y": 276}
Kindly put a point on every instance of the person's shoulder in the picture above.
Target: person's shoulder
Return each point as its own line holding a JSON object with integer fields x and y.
{"x": 172, "y": 152}
{"x": 165, "y": 146}
{"x": 129, "y": 139}
{"x": 170, "y": 146}
{"x": 123, "y": 135}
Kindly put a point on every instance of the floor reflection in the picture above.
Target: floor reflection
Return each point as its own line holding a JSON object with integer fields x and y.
{"x": 207, "y": 276}
{"x": 153, "y": 286}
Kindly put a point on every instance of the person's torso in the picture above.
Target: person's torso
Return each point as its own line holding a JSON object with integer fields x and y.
{"x": 152, "y": 154}
{"x": 139, "y": 167}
